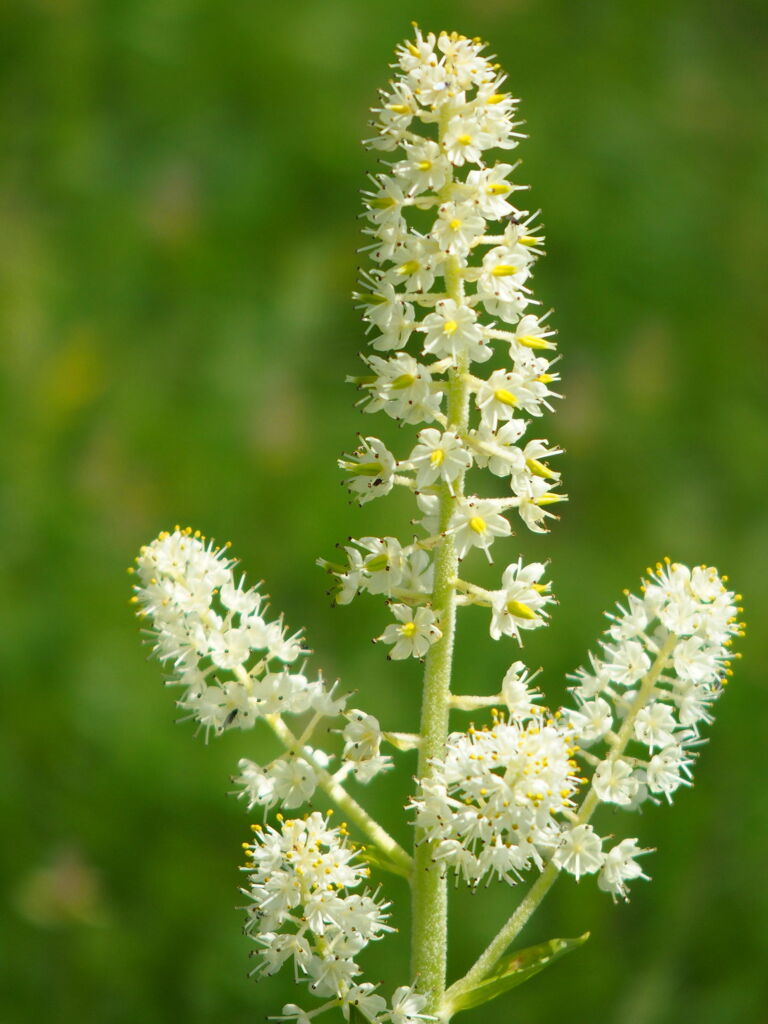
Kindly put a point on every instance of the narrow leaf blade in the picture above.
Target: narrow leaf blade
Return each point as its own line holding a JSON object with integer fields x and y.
{"x": 515, "y": 969}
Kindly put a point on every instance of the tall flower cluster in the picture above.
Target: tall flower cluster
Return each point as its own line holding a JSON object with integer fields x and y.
{"x": 459, "y": 351}
{"x": 449, "y": 290}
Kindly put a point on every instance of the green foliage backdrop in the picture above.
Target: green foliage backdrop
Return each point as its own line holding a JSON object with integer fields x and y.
{"x": 178, "y": 190}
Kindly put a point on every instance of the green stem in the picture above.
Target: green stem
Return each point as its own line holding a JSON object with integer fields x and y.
{"x": 490, "y": 956}
{"x": 400, "y": 859}
{"x": 429, "y": 886}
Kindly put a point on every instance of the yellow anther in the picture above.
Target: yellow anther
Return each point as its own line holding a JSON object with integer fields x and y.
{"x": 540, "y": 469}
{"x": 504, "y": 396}
{"x": 520, "y": 611}
{"x": 549, "y": 499}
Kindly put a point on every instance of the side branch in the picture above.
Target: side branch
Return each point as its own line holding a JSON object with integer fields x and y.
{"x": 506, "y": 935}
{"x": 402, "y": 862}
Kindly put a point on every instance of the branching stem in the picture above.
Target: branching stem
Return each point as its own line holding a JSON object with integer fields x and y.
{"x": 488, "y": 959}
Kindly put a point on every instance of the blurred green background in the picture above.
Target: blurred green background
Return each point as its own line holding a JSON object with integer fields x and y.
{"x": 179, "y": 192}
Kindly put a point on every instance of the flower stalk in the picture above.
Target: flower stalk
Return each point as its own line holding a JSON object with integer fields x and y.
{"x": 447, "y": 290}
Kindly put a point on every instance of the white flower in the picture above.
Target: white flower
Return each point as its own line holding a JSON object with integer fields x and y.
{"x": 615, "y": 782}
{"x": 413, "y": 633}
{"x": 496, "y": 399}
{"x": 492, "y": 189}
{"x": 619, "y": 868}
{"x": 592, "y": 721}
{"x": 505, "y": 392}
{"x": 457, "y": 226}
{"x": 697, "y": 660}
{"x": 655, "y": 725}
{"x": 362, "y": 743}
{"x": 295, "y": 781}
{"x": 531, "y": 333}
{"x": 516, "y": 693}
{"x": 424, "y": 167}
{"x": 375, "y": 564}
{"x": 627, "y": 662}
{"x": 579, "y": 851}
{"x": 668, "y": 770}
{"x": 504, "y": 273}
{"x": 407, "y": 1006}
{"x": 521, "y": 602}
{"x": 465, "y": 141}
{"x": 372, "y": 469}
{"x": 497, "y": 449}
{"x": 476, "y": 523}
{"x": 452, "y": 330}
{"x": 403, "y": 389}
{"x": 439, "y": 457}
{"x": 393, "y": 317}
{"x": 362, "y": 736}
{"x": 364, "y": 999}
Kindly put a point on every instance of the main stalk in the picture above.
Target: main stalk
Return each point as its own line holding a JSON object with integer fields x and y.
{"x": 429, "y": 886}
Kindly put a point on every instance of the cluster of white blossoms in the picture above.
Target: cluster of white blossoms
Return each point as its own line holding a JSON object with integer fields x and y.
{"x": 237, "y": 666}
{"x": 503, "y": 798}
{"x": 492, "y": 804}
{"x": 448, "y": 292}
{"x": 664, "y": 661}
{"x": 641, "y": 705}
{"x": 449, "y": 287}
{"x": 303, "y": 909}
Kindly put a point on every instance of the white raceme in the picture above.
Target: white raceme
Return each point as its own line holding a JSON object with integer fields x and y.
{"x": 461, "y": 351}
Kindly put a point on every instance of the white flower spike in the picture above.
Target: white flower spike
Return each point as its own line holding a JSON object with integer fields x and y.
{"x": 447, "y": 294}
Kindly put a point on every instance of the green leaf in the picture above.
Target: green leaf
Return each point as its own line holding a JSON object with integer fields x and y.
{"x": 516, "y": 968}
